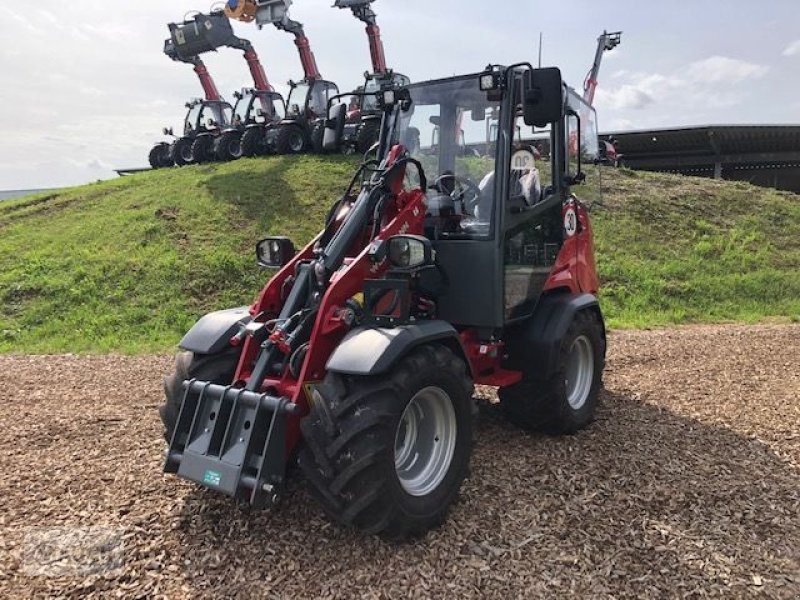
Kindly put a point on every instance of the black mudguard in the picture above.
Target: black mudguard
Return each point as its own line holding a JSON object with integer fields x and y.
{"x": 533, "y": 346}
{"x": 373, "y": 351}
{"x": 212, "y": 333}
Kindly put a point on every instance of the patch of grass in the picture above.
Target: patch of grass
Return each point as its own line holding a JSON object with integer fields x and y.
{"x": 128, "y": 265}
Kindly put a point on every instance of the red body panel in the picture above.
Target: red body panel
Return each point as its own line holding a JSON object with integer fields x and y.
{"x": 376, "y": 51}
{"x": 575, "y": 268}
{"x": 209, "y": 87}
{"x": 307, "y": 58}
{"x": 260, "y": 80}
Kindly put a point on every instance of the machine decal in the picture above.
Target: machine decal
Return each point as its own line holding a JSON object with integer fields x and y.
{"x": 570, "y": 222}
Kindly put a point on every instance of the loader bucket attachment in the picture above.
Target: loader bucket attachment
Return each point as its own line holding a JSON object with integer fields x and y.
{"x": 231, "y": 440}
{"x": 263, "y": 11}
{"x": 201, "y": 34}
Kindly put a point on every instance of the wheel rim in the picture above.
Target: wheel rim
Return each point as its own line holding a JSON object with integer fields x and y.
{"x": 186, "y": 152}
{"x": 296, "y": 142}
{"x": 579, "y": 372}
{"x": 425, "y": 441}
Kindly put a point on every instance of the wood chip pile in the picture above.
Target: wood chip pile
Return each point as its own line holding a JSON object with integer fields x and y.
{"x": 688, "y": 484}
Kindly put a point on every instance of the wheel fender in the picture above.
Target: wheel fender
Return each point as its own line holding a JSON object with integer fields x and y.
{"x": 533, "y": 346}
{"x": 212, "y": 333}
{"x": 373, "y": 351}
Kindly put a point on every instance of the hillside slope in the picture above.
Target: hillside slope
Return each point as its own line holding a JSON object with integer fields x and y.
{"x": 128, "y": 265}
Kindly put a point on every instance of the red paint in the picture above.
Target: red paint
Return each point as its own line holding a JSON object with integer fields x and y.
{"x": 376, "y": 50}
{"x": 575, "y": 269}
{"x": 209, "y": 87}
{"x": 307, "y": 58}
{"x": 260, "y": 80}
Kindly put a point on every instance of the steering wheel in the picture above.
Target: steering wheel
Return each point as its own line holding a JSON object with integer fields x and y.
{"x": 467, "y": 191}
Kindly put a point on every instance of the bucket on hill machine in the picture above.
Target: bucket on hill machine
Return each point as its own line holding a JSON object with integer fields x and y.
{"x": 435, "y": 271}
{"x": 364, "y": 117}
{"x": 302, "y": 127}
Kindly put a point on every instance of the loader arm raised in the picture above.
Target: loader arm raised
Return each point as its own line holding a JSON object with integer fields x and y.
{"x": 276, "y": 12}
{"x": 364, "y": 13}
{"x": 605, "y": 43}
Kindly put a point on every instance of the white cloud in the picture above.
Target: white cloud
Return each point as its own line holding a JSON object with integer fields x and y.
{"x": 626, "y": 97}
{"x": 718, "y": 69}
{"x": 792, "y": 49}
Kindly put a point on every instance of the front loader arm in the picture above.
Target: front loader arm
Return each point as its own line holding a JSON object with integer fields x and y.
{"x": 363, "y": 12}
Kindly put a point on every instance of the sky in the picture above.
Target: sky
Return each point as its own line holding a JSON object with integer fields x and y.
{"x": 85, "y": 87}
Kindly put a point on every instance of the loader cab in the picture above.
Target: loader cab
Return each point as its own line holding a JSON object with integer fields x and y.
{"x": 308, "y": 100}
{"x": 256, "y": 107}
{"x": 497, "y": 211}
{"x": 205, "y": 115}
{"x": 373, "y": 83}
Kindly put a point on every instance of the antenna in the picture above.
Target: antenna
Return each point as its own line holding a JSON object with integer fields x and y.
{"x": 541, "y": 35}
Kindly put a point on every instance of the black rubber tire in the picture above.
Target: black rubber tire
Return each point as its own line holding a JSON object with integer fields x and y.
{"x": 349, "y": 442}
{"x": 318, "y": 137}
{"x": 369, "y": 133}
{"x": 541, "y": 405}
{"x": 181, "y": 153}
{"x": 216, "y": 368}
{"x": 229, "y": 146}
{"x": 202, "y": 149}
{"x": 290, "y": 140}
{"x": 253, "y": 142}
{"x": 159, "y": 156}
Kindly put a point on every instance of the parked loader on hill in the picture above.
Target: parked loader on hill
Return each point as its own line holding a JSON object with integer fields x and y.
{"x": 434, "y": 272}
{"x": 605, "y": 43}
{"x": 302, "y": 127}
{"x": 364, "y": 117}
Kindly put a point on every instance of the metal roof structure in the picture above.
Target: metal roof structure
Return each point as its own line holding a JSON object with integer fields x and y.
{"x": 767, "y": 155}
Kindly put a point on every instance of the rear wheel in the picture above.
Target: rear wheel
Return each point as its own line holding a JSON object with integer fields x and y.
{"x": 565, "y": 403}
{"x": 229, "y": 146}
{"x": 368, "y": 134}
{"x": 253, "y": 142}
{"x": 291, "y": 140}
{"x": 182, "y": 152}
{"x": 387, "y": 455}
{"x": 217, "y": 368}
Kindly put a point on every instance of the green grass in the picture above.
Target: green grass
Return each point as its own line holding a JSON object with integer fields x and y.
{"x": 128, "y": 265}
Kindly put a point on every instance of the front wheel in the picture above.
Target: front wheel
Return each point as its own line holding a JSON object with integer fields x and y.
{"x": 369, "y": 132}
{"x": 229, "y": 146}
{"x": 291, "y": 140}
{"x": 566, "y": 402}
{"x": 387, "y": 455}
{"x": 181, "y": 153}
{"x": 253, "y": 143}
{"x": 202, "y": 149}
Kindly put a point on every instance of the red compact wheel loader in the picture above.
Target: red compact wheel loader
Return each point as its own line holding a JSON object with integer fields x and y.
{"x": 435, "y": 271}
{"x": 364, "y": 117}
{"x": 302, "y": 127}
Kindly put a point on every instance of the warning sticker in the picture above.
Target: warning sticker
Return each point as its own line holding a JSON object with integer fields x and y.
{"x": 212, "y": 478}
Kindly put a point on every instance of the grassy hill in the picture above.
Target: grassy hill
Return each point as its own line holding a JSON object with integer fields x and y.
{"x": 128, "y": 265}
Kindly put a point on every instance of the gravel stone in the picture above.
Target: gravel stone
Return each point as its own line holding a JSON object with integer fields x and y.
{"x": 686, "y": 485}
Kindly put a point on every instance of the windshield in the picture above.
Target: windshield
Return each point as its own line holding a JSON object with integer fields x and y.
{"x": 449, "y": 130}
{"x": 191, "y": 118}
{"x": 270, "y": 106}
{"x": 241, "y": 113}
{"x": 216, "y": 114}
{"x": 297, "y": 99}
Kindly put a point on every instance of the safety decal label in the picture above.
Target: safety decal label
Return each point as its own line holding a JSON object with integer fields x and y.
{"x": 212, "y": 478}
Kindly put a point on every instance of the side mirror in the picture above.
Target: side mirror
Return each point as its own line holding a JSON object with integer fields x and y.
{"x": 408, "y": 252}
{"x": 334, "y": 128}
{"x": 168, "y": 131}
{"x": 275, "y": 252}
{"x": 544, "y": 98}
{"x": 261, "y": 113}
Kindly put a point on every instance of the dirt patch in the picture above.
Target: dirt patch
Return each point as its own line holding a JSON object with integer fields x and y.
{"x": 688, "y": 484}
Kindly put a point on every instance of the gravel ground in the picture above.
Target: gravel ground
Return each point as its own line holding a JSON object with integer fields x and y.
{"x": 688, "y": 484}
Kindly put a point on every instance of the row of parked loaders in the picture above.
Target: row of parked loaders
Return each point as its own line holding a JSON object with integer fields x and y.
{"x": 262, "y": 121}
